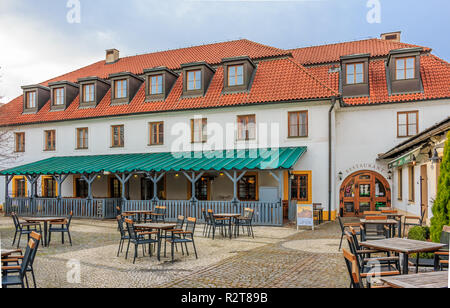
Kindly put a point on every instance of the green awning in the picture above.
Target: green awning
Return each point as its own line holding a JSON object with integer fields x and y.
{"x": 253, "y": 159}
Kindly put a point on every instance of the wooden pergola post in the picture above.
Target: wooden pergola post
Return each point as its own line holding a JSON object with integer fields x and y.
{"x": 235, "y": 179}
{"x": 32, "y": 179}
{"x": 123, "y": 179}
{"x": 155, "y": 179}
{"x": 8, "y": 180}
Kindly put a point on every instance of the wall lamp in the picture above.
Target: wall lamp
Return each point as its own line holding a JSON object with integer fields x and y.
{"x": 390, "y": 175}
{"x": 340, "y": 175}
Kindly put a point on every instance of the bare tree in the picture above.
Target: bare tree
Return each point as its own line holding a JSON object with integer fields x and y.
{"x": 7, "y": 153}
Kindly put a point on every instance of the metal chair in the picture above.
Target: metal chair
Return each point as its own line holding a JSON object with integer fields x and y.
{"x": 61, "y": 227}
{"x": 375, "y": 231}
{"x": 123, "y": 234}
{"x": 207, "y": 224}
{"x": 21, "y": 270}
{"x": 138, "y": 239}
{"x": 216, "y": 222}
{"x": 417, "y": 221}
{"x": 245, "y": 221}
{"x": 24, "y": 228}
{"x": 159, "y": 214}
{"x": 178, "y": 227}
{"x": 184, "y": 237}
{"x": 344, "y": 227}
{"x": 441, "y": 257}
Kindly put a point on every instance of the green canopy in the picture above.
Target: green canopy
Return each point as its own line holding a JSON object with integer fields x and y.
{"x": 253, "y": 159}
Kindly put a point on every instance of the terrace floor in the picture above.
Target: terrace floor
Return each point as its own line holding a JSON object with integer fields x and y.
{"x": 276, "y": 258}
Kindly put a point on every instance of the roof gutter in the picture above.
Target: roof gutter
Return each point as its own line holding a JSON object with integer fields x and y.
{"x": 330, "y": 154}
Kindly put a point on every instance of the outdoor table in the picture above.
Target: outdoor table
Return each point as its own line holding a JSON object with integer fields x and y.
{"x": 389, "y": 222}
{"x": 403, "y": 246}
{"x": 229, "y": 217}
{"x": 139, "y": 213}
{"x": 7, "y": 252}
{"x": 432, "y": 280}
{"x": 45, "y": 220}
{"x": 159, "y": 227}
{"x": 393, "y": 216}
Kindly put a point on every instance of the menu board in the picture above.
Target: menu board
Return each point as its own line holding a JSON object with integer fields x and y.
{"x": 305, "y": 215}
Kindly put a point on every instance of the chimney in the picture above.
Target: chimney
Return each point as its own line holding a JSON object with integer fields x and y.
{"x": 392, "y": 36}
{"x": 112, "y": 56}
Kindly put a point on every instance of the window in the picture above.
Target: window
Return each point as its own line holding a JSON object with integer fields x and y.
{"x": 120, "y": 88}
{"x": 246, "y": 127}
{"x": 82, "y": 138}
{"x": 88, "y": 93}
{"x": 407, "y": 123}
{"x": 115, "y": 188}
{"x": 156, "y": 84}
{"x": 355, "y": 73}
{"x": 81, "y": 188}
{"x": 194, "y": 80}
{"x": 235, "y": 75}
{"x": 301, "y": 187}
{"x": 49, "y": 187}
{"x": 198, "y": 130}
{"x": 30, "y": 99}
{"x": 202, "y": 189}
{"x": 19, "y": 187}
{"x": 411, "y": 183}
{"x": 405, "y": 68}
{"x": 156, "y": 133}
{"x": 147, "y": 189}
{"x": 400, "y": 184}
{"x": 20, "y": 142}
{"x": 117, "y": 136}
{"x": 50, "y": 140}
{"x": 298, "y": 124}
{"x": 248, "y": 188}
{"x": 58, "y": 96}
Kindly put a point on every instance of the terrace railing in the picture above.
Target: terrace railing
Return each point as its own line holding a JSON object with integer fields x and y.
{"x": 81, "y": 208}
{"x": 266, "y": 213}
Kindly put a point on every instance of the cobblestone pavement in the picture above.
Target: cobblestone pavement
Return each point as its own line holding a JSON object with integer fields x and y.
{"x": 277, "y": 257}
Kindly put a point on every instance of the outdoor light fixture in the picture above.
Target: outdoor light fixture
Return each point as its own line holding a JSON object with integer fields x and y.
{"x": 99, "y": 176}
{"x": 414, "y": 160}
{"x": 136, "y": 176}
{"x": 435, "y": 158}
{"x": 389, "y": 175}
{"x": 177, "y": 175}
{"x": 340, "y": 175}
{"x": 221, "y": 174}
{"x": 106, "y": 173}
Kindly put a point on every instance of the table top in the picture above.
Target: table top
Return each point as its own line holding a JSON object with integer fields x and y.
{"x": 42, "y": 219}
{"x": 384, "y": 221}
{"x": 156, "y": 226}
{"x": 226, "y": 215}
{"x": 434, "y": 280}
{"x": 403, "y": 245}
{"x": 7, "y": 252}
{"x": 138, "y": 212}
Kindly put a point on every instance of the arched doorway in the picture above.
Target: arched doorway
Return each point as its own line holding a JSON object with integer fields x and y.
{"x": 363, "y": 191}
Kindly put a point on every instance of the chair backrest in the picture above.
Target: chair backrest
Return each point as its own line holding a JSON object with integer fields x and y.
{"x": 372, "y": 213}
{"x": 190, "y": 225}
{"x": 120, "y": 224}
{"x": 69, "y": 220}
{"x": 389, "y": 211}
{"x": 130, "y": 228}
{"x": 423, "y": 216}
{"x": 353, "y": 269}
{"x": 180, "y": 222}
{"x": 160, "y": 209}
{"x": 15, "y": 220}
{"x": 205, "y": 215}
{"x": 445, "y": 235}
{"x": 355, "y": 238}
{"x": 30, "y": 252}
{"x": 341, "y": 224}
{"x": 211, "y": 216}
{"x": 248, "y": 213}
{"x": 376, "y": 217}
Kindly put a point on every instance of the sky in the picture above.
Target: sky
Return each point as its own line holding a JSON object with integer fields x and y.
{"x": 43, "y": 39}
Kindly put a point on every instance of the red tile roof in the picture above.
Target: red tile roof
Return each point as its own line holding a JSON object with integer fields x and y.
{"x": 333, "y": 52}
{"x": 275, "y": 80}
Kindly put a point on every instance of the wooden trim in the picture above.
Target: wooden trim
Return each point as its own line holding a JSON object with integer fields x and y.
{"x": 235, "y": 67}
{"x": 158, "y": 142}
{"x": 195, "y": 71}
{"x": 354, "y": 74}
{"x": 245, "y": 128}
{"x": 52, "y": 135}
{"x": 407, "y": 123}
{"x": 28, "y": 96}
{"x": 150, "y": 84}
{"x": 411, "y": 184}
{"x": 204, "y": 137}
{"x": 44, "y": 187}
{"x": 256, "y": 175}
{"x": 14, "y": 185}
{"x": 85, "y": 140}
{"x": 19, "y": 142}
{"x": 59, "y": 93}
{"x": 123, "y": 88}
{"x": 400, "y": 184}
{"x": 405, "y": 59}
{"x": 121, "y": 131}
{"x": 309, "y": 176}
{"x": 83, "y": 92}
{"x": 298, "y": 123}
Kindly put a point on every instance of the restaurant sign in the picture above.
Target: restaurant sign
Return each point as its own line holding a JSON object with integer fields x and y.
{"x": 305, "y": 215}
{"x": 401, "y": 161}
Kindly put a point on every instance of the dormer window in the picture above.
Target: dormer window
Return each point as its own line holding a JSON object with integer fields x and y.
{"x": 88, "y": 93}
{"x": 120, "y": 87}
{"x": 125, "y": 85}
{"x": 235, "y": 75}
{"x": 30, "y": 100}
{"x": 156, "y": 84}
{"x": 58, "y": 97}
{"x": 405, "y": 68}
{"x": 238, "y": 73}
{"x": 194, "y": 80}
{"x": 355, "y": 73}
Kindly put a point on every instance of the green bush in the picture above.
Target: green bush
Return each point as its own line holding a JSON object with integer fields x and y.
{"x": 441, "y": 207}
{"x": 420, "y": 234}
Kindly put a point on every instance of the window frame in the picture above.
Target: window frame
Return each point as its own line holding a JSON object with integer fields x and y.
{"x": 121, "y": 133}
{"x": 354, "y": 73}
{"x": 203, "y": 127}
{"x": 400, "y": 184}
{"x": 407, "y": 113}
{"x": 85, "y": 139}
{"x": 246, "y": 131}
{"x": 405, "y": 69}
{"x": 27, "y": 99}
{"x": 52, "y": 138}
{"x": 19, "y": 142}
{"x": 158, "y": 125}
{"x": 150, "y": 84}
{"x": 247, "y": 175}
{"x": 235, "y": 67}
{"x": 45, "y": 188}
{"x": 124, "y": 87}
{"x": 411, "y": 184}
{"x": 83, "y": 90}
{"x": 16, "y": 186}
{"x": 57, "y": 94}
{"x": 298, "y": 124}
{"x": 194, "y": 82}
{"x": 308, "y": 175}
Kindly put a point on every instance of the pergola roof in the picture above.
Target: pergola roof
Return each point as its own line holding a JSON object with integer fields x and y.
{"x": 250, "y": 159}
